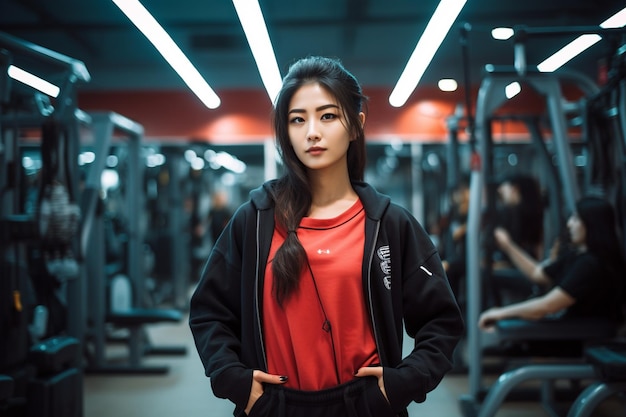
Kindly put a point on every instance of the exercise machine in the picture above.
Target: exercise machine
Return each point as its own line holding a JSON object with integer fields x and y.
{"x": 126, "y": 280}
{"x": 490, "y": 97}
{"x": 41, "y": 291}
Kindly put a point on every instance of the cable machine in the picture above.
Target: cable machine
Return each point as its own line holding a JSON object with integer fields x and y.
{"x": 490, "y": 97}
{"x": 42, "y": 276}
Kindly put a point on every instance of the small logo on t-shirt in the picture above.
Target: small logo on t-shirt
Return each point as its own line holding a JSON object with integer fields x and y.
{"x": 385, "y": 264}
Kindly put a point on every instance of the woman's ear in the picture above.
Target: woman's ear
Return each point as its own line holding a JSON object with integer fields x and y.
{"x": 362, "y": 121}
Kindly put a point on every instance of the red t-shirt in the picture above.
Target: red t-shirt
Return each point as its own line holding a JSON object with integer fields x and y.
{"x": 296, "y": 344}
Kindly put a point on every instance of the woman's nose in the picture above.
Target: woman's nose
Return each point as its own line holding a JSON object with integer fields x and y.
{"x": 313, "y": 132}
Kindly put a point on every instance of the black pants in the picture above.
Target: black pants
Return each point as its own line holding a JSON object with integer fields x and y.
{"x": 359, "y": 398}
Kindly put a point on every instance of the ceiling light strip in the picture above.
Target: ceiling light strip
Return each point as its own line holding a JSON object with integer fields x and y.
{"x": 33, "y": 81}
{"x": 580, "y": 44}
{"x": 569, "y": 51}
{"x": 148, "y": 25}
{"x": 434, "y": 34}
{"x": 253, "y": 24}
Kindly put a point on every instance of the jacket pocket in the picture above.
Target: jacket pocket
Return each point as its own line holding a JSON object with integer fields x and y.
{"x": 261, "y": 408}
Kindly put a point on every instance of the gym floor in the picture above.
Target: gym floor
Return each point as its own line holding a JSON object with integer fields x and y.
{"x": 185, "y": 391}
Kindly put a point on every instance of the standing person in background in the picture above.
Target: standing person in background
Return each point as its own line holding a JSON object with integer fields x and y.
{"x": 219, "y": 214}
{"x": 586, "y": 282}
{"x": 306, "y": 297}
{"x": 455, "y": 262}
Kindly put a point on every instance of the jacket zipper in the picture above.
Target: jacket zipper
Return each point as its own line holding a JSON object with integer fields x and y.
{"x": 256, "y": 287}
{"x": 369, "y": 290}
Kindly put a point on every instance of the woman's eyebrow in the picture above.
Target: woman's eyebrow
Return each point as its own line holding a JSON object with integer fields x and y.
{"x": 318, "y": 109}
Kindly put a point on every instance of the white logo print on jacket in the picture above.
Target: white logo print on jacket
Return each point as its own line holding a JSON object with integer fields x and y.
{"x": 385, "y": 264}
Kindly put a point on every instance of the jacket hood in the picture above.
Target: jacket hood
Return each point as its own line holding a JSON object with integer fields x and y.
{"x": 374, "y": 202}
{"x": 260, "y": 196}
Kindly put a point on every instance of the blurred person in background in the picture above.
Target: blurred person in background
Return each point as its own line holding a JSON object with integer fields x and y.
{"x": 219, "y": 214}
{"x": 586, "y": 281}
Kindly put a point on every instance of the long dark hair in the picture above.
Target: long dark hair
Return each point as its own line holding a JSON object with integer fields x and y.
{"x": 602, "y": 239}
{"x": 530, "y": 210}
{"x": 292, "y": 192}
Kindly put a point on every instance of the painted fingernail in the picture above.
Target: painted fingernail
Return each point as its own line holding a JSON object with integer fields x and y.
{"x": 283, "y": 378}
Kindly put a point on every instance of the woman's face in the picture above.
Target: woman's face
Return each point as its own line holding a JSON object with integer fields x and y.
{"x": 577, "y": 230}
{"x": 318, "y": 129}
{"x": 509, "y": 194}
{"x": 460, "y": 197}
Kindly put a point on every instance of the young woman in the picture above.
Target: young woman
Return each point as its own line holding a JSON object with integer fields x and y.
{"x": 586, "y": 282}
{"x": 305, "y": 298}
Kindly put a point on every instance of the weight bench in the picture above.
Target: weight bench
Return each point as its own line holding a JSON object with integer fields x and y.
{"x": 121, "y": 314}
{"x": 134, "y": 319}
{"x": 518, "y": 331}
{"x": 609, "y": 361}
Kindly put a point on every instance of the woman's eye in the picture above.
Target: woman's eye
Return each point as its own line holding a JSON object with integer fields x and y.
{"x": 296, "y": 120}
{"x": 329, "y": 116}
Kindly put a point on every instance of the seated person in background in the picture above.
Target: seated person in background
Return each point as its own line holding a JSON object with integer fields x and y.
{"x": 521, "y": 213}
{"x": 586, "y": 282}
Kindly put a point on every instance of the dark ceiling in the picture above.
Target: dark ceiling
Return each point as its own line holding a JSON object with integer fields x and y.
{"x": 374, "y": 38}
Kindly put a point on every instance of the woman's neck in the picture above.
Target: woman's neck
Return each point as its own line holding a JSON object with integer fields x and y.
{"x": 331, "y": 196}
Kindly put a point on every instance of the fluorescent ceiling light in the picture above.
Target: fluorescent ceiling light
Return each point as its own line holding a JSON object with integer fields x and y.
{"x": 502, "y": 34}
{"x": 580, "y": 44}
{"x": 253, "y": 24}
{"x": 33, "y": 81}
{"x": 146, "y": 23}
{"x": 434, "y": 34}
{"x": 616, "y": 21}
{"x": 512, "y": 90}
{"x": 219, "y": 160}
{"x": 569, "y": 51}
{"x": 447, "y": 84}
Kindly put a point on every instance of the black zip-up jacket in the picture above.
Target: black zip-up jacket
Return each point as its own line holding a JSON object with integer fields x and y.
{"x": 404, "y": 283}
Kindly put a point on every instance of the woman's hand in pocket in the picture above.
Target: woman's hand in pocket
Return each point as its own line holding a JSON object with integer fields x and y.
{"x": 376, "y": 371}
{"x": 258, "y": 379}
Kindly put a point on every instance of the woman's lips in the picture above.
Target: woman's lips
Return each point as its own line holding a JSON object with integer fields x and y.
{"x": 315, "y": 150}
